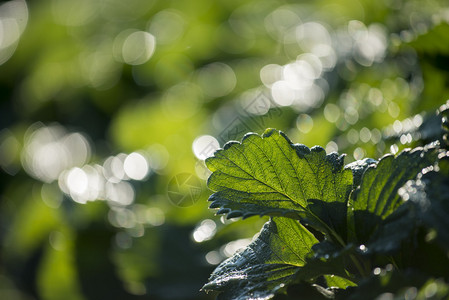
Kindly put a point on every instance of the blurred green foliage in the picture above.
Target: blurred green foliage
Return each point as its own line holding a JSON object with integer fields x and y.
{"x": 103, "y": 103}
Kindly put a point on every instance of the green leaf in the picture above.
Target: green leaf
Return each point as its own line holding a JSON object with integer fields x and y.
{"x": 269, "y": 175}
{"x": 267, "y": 264}
{"x": 378, "y": 195}
{"x": 333, "y": 281}
{"x": 433, "y": 40}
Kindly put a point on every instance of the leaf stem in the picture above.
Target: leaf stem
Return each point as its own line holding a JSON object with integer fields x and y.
{"x": 339, "y": 239}
{"x": 394, "y": 262}
{"x": 358, "y": 265}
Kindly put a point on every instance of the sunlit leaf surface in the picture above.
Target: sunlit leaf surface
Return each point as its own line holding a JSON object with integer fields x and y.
{"x": 269, "y": 175}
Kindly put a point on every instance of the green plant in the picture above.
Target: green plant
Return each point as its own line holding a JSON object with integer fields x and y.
{"x": 356, "y": 231}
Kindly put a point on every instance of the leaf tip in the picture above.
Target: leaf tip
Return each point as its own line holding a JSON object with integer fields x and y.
{"x": 318, "y": 149}
{"x": 234, "y": 214}
{"x": 228, "y": 145}
{"x": 223, "y": 210}
{"x": 214, "y": 204}
{"x": 268, "y": 132}
{"x": 301, "y": 150}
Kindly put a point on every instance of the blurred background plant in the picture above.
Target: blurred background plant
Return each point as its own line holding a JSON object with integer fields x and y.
{"x": 109, "y": 108}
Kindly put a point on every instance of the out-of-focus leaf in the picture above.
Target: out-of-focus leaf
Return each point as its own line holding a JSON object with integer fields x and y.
{"x": 433, "y": 41}
{"x": 269, "y": 175}
{"x": 398, "y": 285}
{"x": 378, "y": 195}
{"x": 338, "y": 282}
{"x": 422, "y": 128}
{"x": 266, "y": 265}
{"x": 423, "y": 132}
{"x": 58, "y": 265}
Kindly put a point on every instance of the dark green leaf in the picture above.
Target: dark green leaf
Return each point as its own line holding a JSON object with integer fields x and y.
{"x": 431, "y": 194}
{"x": 393, "y": 284}
{"x": 266, "y": 265}
{"x": 427, "y": 204}
{"x": 396, "y": 228}
{"x": 378, "y": 195}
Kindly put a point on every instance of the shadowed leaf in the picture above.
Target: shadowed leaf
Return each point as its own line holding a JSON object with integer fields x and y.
{"x": 266, "y": 265}
{"x": 378, "y": 195}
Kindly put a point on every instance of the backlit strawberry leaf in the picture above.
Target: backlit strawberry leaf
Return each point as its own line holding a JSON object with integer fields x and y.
{"x": 269, "y": 175}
